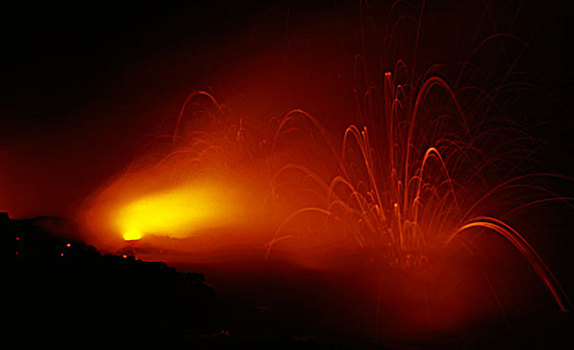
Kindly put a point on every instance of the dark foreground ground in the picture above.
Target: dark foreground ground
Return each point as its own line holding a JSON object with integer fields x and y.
{"x": 58, "y": 291}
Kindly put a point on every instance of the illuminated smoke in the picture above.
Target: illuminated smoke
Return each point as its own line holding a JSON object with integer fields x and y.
{"x": 403, "y": 188}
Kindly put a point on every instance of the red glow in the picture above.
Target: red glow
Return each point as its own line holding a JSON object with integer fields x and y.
{"x": 371, "y": 209}
{"x": 399, "y": 201}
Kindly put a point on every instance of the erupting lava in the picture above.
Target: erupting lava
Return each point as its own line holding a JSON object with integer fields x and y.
{"x": 399, "y": 203}
{"x": 399, "y": 199}
{"x": 203, "y": 184}
{"x": 403, "y": 190}
{"x": 173, "y": 213}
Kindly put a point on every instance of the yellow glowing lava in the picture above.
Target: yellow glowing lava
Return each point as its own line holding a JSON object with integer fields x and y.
{"x": 132, "y": 235}
{"x": 174, "y": 213}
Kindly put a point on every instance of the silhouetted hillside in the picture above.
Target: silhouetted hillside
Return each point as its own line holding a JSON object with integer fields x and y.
{"x": 61, "y": 290}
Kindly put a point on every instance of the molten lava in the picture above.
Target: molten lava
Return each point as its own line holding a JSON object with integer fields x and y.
{"x": 200, "y": 186}
{"x": 396, "y": 201}
{"x": 176, "y": 212}
{"x": 132, "y": 235}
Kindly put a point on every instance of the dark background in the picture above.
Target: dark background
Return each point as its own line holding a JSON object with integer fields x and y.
{"x": 82, "y": 85}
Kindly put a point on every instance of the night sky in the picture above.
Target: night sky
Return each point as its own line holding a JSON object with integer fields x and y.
{"x": 83, "y": 85}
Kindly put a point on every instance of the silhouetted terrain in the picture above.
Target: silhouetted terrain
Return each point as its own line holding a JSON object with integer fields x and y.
{"x": 63, "y": 292}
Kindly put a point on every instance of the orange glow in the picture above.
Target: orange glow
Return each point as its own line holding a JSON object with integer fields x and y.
{"x": 174, "y": 213}
{"x": 205, "y": 187}
{"x": 399, "y": 191}
{"x": 347, "y": 170}
{"x": 370, "y": 206}
{"x": 132, "y": 235}
{"x": 141, "y": 208}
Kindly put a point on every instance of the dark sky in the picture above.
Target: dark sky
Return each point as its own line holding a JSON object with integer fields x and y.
{"x": 81, "y": 86}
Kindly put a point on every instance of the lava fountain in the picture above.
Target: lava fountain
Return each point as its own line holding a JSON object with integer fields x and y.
{"x": 409, "y": 206}
{"x": 411, "y": 199}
